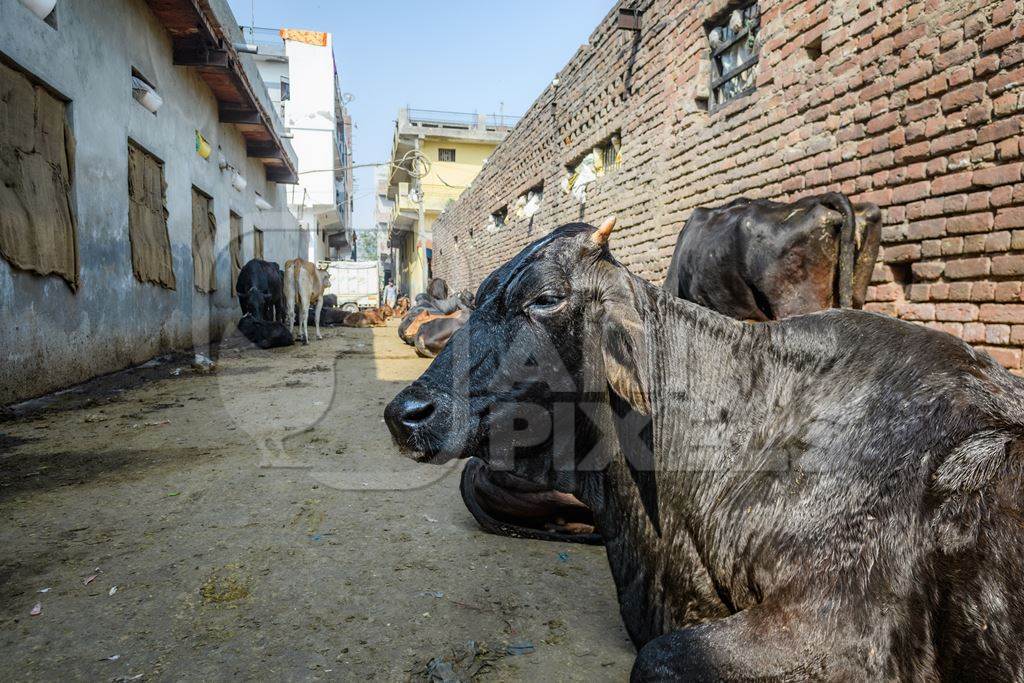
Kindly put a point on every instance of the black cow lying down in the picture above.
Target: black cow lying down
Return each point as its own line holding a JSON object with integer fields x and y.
{"x": 263, "y": 333}
{"x": 832, "y": 496}
{"x": 754, "y": 259}
{"x": 433, "y": 335}
{"x": 748, "y": 259}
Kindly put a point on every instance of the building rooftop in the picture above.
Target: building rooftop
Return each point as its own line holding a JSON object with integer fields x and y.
{"x": 455, "y": 124}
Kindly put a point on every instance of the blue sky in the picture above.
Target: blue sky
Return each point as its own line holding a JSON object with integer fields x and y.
{"x": 452, "y": 55}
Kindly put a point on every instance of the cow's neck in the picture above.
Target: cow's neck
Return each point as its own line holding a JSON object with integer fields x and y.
{"x": 710, "y": 381}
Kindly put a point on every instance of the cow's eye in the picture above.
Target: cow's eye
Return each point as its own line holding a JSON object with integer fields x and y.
{"x": 546, "y": 303}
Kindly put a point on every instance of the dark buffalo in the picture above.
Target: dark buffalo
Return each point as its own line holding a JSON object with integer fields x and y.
{"x": 832, "y": 496}
{"x": 260, "y": 289}
{"x": 328, "y": 316}
{"x": 507, "y": 505}
{"x": 750, "y": 260}
{"x": 428, "y": 308}
{"x": 755, "y": 259}
{"x": 264, "y": 333}
{"x": 437, "y": 288}
{"x": 433, "y": 335}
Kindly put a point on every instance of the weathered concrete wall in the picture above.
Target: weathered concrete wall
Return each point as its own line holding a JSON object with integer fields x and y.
{"x": 915, "y": 105}
{"x": 51, "y": 337}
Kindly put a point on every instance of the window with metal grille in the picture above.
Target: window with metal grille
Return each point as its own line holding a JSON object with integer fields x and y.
{"x": 610, "y": 152}
{"x": 444, "y": 154}
{"x": 733, "y": 41}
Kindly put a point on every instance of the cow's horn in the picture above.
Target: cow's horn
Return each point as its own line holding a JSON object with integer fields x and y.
{"x": 602, "y": 234}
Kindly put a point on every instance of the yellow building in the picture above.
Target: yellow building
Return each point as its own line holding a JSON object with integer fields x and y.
{"x": 435, "y": 155}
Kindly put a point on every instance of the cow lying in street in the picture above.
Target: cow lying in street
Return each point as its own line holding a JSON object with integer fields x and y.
{"x": 373, "y": 317}
{"x": 401, "y": 306}
{"x": 414, "y": 321}
{"x": 260, "y": 290}
{"x": 428, "y": 308}
{"x": 304, "y": 285}
{"x": 749, "y": 260}
{"x": 433, "y": 335}
{"x": 834, "y": 496}
{"x": 754, "y": 259}
{"x": 266, "y": 334}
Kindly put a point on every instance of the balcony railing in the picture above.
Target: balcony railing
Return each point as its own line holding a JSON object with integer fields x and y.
{"x": 460, "y": 119}
{"x": 268, "y": 39}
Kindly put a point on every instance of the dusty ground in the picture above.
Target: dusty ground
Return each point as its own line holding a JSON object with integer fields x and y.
{"x": 258, "y": 523}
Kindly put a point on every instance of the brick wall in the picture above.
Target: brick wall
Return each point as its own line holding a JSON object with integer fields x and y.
{"x": 916, "y": 106}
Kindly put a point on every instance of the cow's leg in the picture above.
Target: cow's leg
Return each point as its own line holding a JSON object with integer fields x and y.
{"x": 319, "y": 306}
{"x": 289, "y": 300}
{"x": 762, "y": 643}
{"x": 304, "y": 322}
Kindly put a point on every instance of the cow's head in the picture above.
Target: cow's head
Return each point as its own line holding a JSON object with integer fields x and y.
{"x": 554, "y": 328}
{"x": 255, "y": 300}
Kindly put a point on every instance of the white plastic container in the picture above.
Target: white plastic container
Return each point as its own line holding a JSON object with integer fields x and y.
{"x": 41, "y": 8}
{"x": 151, "y": 101}
{"x": 238, "y": 181}
{"x": 145, "y": 95}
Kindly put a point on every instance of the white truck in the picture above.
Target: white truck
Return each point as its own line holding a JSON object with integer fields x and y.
{"x": 355, "y": 283}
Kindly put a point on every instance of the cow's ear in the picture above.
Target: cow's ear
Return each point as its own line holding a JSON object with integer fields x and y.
{"x": 624, "y": 349}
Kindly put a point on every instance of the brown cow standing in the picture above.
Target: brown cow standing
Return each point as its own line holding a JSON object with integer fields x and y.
{"x": 304, "y": 285}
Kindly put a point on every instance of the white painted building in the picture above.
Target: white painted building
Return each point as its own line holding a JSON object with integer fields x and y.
{"x": 122, "y": 228}
{"x": 299, "y": 71}
{"x": 382, "y": 210}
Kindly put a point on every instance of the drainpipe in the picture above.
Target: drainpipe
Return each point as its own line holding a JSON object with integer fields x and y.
{"x": 422, "y": 220}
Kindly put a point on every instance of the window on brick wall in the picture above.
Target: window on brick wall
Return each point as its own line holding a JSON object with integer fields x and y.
{"x": 444, "y": 154}
{"x": 496, "y": 221}
{"x": 732, "y": 37}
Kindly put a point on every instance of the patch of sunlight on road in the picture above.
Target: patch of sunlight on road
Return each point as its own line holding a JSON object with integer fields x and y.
{"x": 393, "y": 359}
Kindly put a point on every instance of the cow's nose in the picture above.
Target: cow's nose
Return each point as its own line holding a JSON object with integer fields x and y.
{"x": 412, "y": 408}
{"x": 416, "y": 410}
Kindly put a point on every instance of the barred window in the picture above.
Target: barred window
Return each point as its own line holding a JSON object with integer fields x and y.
{"x": 733, "y": 41}
{"x": 444, "y": 154}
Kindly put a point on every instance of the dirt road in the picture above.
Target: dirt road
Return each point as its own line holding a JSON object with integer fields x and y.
{"x": 257, "y": 522}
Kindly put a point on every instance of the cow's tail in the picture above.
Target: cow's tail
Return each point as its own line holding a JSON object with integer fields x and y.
{"x": 476, "y": 478}
{"x": 847, "y": 245}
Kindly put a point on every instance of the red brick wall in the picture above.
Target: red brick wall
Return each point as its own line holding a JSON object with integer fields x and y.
{"x": 917, "y": 106}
